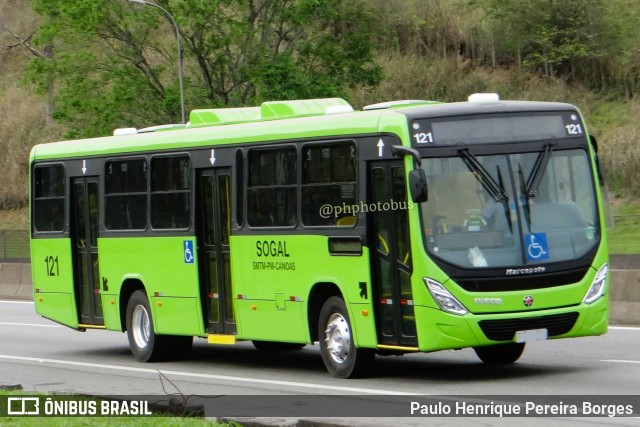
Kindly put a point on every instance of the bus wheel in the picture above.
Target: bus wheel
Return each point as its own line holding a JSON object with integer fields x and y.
{"x": 340, "y": 356}
{"x": 267, "y": 346}
{"x": 145, "y": 345}
{"x": 501, "y": 354}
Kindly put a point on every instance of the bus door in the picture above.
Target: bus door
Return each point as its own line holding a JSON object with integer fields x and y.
{"x": 84, "y": 223}
{"x": 390, "y": 253}
{"x": 214, "y": 230}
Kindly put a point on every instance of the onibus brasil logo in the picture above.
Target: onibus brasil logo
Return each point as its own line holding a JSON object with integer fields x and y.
{"x": 73, "y": 406}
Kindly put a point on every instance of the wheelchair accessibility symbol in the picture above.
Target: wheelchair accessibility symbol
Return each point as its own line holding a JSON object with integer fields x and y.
{"x": 537, "y": 247}
{"x": 188, "y": 252}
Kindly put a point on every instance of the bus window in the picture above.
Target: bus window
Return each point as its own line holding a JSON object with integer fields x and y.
{"x": 328, "y": 177}
{"x": 272, "y": 190}
{"x": 239, "y": 188}
{"x": 48, "y": 207}
{"x": 126, "y": 195}
{"x": 170, "y": 192}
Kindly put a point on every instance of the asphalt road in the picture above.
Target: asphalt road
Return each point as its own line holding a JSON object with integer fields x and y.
{"x": 43, "y": 356}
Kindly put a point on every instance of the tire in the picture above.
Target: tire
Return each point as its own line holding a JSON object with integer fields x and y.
{"x": 145, "y": 345}
{"x": 341, "y": 358}
{"x": 269, "y": 346}
{"x": 501, "y": 354}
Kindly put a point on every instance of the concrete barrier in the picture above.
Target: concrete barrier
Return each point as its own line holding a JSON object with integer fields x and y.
{"x": 625, "y": 290}
{"x": 16, "y": 283}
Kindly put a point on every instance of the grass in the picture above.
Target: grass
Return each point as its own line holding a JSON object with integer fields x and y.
{"x": 14, "y": 219}
{"x": 97, "y": 421}
{"x": 624, "y": 237}
{"x": 105, "y": 421}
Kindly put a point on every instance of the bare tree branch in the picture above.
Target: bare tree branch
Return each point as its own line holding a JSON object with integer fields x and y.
{"x": 22, "y": 41}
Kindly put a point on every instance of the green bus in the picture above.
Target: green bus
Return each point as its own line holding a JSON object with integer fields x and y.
{"x": 409, "y": 226}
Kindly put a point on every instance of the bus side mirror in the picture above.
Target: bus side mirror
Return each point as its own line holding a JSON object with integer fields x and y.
{"x": 418, "y": 185}
{"x": 594, "y": 144}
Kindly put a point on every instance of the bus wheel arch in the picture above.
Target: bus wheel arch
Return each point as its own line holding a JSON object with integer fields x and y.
{"x": 319, "y": 294}
{"x": 129, "y": 286}
{"x": 145, "y": 344}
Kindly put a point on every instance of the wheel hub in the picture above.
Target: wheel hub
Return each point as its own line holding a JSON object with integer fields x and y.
{"x": 141, "y": 326}
{"x": 338, "y": 338}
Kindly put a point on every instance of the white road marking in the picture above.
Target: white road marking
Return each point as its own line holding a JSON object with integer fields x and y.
{"x": 15, "y": 302}
{"x": 622, "y": 361}
{"x": 31, "y": 324}
{"x": 201, "y": 375}
{"x": 624, "y": 328}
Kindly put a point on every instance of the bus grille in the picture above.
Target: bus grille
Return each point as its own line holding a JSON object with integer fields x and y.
{"x": 521, "y": 283}
{"x": 505, "y": 329}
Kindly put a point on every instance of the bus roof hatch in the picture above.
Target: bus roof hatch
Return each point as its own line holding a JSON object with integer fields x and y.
{"x": 224, "y": 116}
{"x": 302, "y": 108}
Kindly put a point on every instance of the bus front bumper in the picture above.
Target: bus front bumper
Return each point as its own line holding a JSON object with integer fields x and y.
{"x": 438, "y": 330}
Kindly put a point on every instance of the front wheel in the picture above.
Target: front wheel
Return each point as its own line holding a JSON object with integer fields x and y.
{"x": 500, "y": 354}
{"x": 341, "y": 358}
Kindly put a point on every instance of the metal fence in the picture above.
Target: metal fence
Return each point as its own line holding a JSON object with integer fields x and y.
{"x": 14, "y": 245}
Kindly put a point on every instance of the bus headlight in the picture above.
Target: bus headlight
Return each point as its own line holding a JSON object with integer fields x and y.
{"x": 597, "y": 288}
{"x": 444, "y": 299}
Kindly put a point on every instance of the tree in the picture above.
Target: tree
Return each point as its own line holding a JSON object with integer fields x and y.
{"x": 592, "y": 42}
{"x": 115, "y": 63}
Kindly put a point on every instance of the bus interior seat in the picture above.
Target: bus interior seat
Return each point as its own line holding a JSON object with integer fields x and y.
{"x": 346, "y": 221}
{"x": 557, "y": 215}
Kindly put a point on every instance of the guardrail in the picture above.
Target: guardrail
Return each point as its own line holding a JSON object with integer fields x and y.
{"x": 14, "y": 245}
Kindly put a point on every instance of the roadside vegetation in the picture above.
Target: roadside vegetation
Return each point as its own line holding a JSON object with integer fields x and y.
{"x": 108, "y": 421}
{"x": 99, "y": 421}
{"x": 81, "y": 69}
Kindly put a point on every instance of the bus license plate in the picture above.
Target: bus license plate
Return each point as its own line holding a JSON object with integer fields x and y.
{"x": 531, "y": 335}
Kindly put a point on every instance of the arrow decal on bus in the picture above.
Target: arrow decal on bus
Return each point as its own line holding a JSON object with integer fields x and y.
{"x": 84, "y": 167}
{"x": 212, "y": 159}
{"x": 380, "y": 147}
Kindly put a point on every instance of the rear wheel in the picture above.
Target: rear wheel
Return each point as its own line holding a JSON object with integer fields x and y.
{"x": 145, "y": 345}
{"x": 501, "y": 354}
{"x": 341, "y": 358}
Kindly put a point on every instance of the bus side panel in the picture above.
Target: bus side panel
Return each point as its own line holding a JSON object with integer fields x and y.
{"x": 273, "y": 277}
{"x": 173, "y": 316}
{"x": 169, "y": 277}
{"x": 265, "y": 321}
{"x": 53, "y": 280}
{"x": 111, "y": 311}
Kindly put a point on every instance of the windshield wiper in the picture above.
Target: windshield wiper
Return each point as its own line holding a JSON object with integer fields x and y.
{"x": 527, "y": 206}
{"x": 530, "y": 188}
{"x": 538, "y": 170}
{"x": 495, "y": 189}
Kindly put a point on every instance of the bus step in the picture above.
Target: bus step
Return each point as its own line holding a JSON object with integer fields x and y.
{"x": 221, "y": 339}
{"x": 397, "y": 347}
{"x": 86, "y": 326}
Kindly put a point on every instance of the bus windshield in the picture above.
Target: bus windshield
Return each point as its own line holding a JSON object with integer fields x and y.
{"x": 505, "y": 210}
